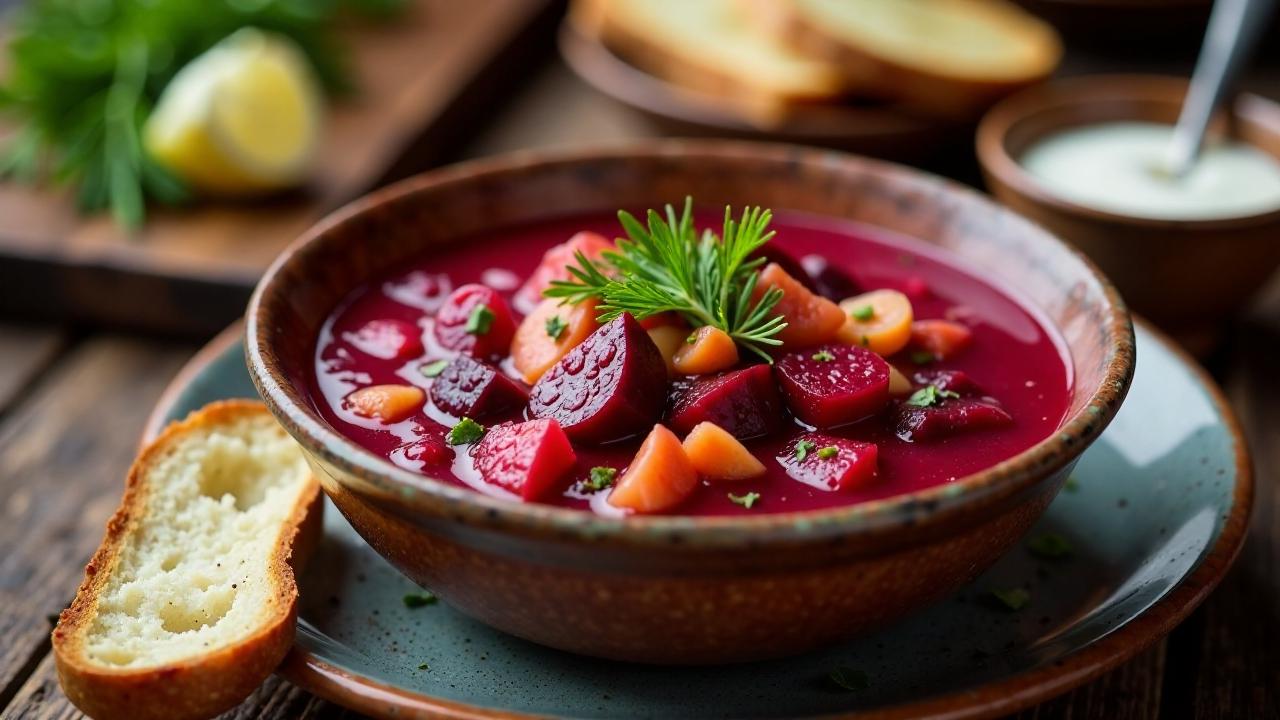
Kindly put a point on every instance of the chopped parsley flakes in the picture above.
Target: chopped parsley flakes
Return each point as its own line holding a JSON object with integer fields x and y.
{"x": 864, "y": 313}
{"x": 601, "y": 478}
{"x": 828, "y": 452}
{"x": 847, "y": 678}
{"x": 823, "y": 356}
{"x": 434, "y": 368}
{"x": 480, "y": 320}
{"x": 555, "y": 327}
{"x": 417, "y": 600}
{"x": 1013, "y": 599}
{"x": 424, "y": 666}
{"x": 923, "y": 357}
{"x": 465, "y": 432}
{"x": 1049, "y": 546}
{"x": 803, "y": 448}
{"x": 746, "y": 501}
{"x": 929, "y": 396}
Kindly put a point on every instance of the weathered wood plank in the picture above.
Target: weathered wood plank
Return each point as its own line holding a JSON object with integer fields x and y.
{"x": 25, "y": 350}
{"x": 63, "y": 454}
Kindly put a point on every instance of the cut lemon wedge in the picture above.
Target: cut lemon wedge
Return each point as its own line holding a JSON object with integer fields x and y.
{"x": 244, "y": 117}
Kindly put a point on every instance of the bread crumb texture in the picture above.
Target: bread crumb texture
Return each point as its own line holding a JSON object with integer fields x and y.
{"x": 194, "y": 574}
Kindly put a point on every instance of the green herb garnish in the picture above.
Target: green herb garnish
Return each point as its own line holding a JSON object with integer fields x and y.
{"x": 433, "y": 369}
{"x": 555, "y": 327}
{"x": 746, "y": 501}
{"x": 423, "y": 666}
{"x": 667, "y": 267}
{"x": 480, "y": 320}
{"x": 864, "y": 313}
{"x": 1050, "y": 546}
{"x": 823, "y": 356}
{"x": 922, "y": 357}
{"x": 1071, "y": 485}
{"x": 417, "y": 600}
{"x": 1013, "y": 599}
{"x": 850, "y": 679}
{"x": 929, "y": 396}
{"x": 803, "y": 448}
{"x": 465, "y": 432}
{"x": 828, "y": 452}
{"x": 600, "y": 478}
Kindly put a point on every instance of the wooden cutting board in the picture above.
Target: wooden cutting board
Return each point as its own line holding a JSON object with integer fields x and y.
{"x": 422, "y": 79}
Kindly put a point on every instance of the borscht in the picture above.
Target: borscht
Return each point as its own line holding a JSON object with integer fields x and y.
{"x": 684, "y": 362}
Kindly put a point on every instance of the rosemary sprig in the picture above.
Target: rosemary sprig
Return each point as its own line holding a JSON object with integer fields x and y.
{"x": 665, "y": 266}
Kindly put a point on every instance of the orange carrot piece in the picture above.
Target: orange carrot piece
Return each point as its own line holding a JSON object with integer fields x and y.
{"x": 811, "y": 319}
{"x": 943, "y": 338}
{"x": 659, "y": 477}
{"x": 669, "y": 339}
{"x": 549, "y": 333}
{"x": 707, "y": 350}
{"x": 717, "y": 455}
{"x": 388, "y": 403}
{"x": 879, "y": 320}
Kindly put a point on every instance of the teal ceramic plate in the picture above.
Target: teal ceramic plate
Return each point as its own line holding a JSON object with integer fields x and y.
{"x": 1154, "y": 515}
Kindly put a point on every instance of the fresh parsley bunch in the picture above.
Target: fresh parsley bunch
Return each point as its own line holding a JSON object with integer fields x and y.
{"x": 83, "y": 76}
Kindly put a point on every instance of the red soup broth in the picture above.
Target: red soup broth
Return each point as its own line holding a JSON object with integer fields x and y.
{"x": 1015, "y": 356}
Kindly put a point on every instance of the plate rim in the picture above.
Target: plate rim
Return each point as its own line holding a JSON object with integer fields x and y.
{"x": 1007, "y": 695}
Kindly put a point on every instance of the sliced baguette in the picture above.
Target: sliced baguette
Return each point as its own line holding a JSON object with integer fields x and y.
{"x": 190, "y": 601}
{"x": 711, "y": 48}
{"x": 952, "y": 57}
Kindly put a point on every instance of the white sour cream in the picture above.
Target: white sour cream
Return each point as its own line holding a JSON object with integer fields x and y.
{"x": 1119, "y": 167}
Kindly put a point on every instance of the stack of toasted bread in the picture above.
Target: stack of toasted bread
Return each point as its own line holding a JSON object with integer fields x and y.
{"x": 767, "y": 58}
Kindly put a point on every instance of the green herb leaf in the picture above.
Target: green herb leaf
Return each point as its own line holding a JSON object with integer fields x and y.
{"x": 417, "y": 600}
{"x": 1013, "y": 599}
{"x": 555, "y": 327}
{"x": 480, "y": 320}
{"x": 424, "y": 666}
{"x": 1071, "y": 485}
{"x": 433, "y": 369}
{"x": 465, "y": 432}
{"x": 922, "y": 357}
{"x": 847, "y": 678}
{"x": 803, "y": 448}
{"x": 828, "y": 452}
{"x": 746, "y": 501}
{"x": 823, "y": 356}
{"x": 664, "y": 265}
{"x": 864, "y": 313}
{"x": 600, "y": 478}
{"x": 929, "y": 396}
{"x": 1050, "y": 546}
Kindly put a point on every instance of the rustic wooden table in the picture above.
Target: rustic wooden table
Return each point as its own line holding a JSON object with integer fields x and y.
{"x": 73, "y": 402}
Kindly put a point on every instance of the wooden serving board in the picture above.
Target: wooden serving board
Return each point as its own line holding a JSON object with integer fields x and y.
{"x": 422, "y": 80}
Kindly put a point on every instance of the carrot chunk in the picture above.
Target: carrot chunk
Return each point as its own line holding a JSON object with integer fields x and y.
{"x": 879, "y": 320}
{"x": 659, "y": 477}
{"x": 669, "y": 339}
{"x": 707, "y": 350}
{"x": 943, "y": 338}
{"x": 549, "y": 333}
{"x": 717, "y": 455}
{"x": 811, "y": 319}
{"x": 388, "y": 403}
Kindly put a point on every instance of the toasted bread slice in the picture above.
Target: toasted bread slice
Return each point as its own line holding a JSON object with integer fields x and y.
{"x": 190, "y": 601}
{"x": 952, "y": 57}
{"x": 711, "y": 48}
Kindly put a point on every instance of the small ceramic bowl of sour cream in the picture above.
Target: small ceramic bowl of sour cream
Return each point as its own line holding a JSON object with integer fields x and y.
{"x": 1085, "y": 157}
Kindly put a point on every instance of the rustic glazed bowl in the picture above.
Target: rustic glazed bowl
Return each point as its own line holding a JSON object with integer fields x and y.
{"x": 687, "y": 590}
{"x": 1188, "y": 276}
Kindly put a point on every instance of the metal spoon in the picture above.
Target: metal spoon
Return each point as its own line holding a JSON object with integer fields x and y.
{"x": 1234, "y": 29}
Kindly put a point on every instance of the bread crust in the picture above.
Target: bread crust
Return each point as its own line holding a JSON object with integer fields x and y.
{"x": 205, "y": 683}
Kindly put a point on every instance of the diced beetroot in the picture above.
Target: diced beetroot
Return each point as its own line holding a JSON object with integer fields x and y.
{"x": 916, "y": 288}
{"x": 956, "y": 381}
{"x": 455, "y": 330}
{"x": 743, "y": 402}
{"x": 833, "y": 384}
{"x": 611, "y": 386}
{"x": 829, "y": 463}
{"x": 555, "y": 266}
{"x": 387, "y": 339}
{"x": 470, "y": 388}
{"x": 530, "y": 459}
{"x": 430, "y": 449}
{"x": 829, "y": 281}
{"x": 950, "y": 416}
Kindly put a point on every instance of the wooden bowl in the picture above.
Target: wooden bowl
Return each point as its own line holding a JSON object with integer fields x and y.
{"x": 683, "y": 589}
{"x": 1188, "y": 276}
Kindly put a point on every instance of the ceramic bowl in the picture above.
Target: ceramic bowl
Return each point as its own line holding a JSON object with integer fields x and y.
{"x": 1188, "y": 276}
{"x": 686, "y": 590}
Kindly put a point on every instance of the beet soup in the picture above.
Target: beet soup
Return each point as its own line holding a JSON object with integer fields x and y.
{"x": 899, "y": 369}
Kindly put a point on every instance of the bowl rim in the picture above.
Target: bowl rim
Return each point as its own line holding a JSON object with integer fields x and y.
{"x": 1083, "y": 90}
{"x": 862, "y": 520}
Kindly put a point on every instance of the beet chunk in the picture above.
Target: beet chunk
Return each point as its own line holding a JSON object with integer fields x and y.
{"x": 833, "y": 384}
{"x": 530, "y": 458}
{"x": 388, "y": 339}
{"x": 744, "y": 402}
{"x": 829, "y": 463}
{"x": 951, "y": 416}
{"x": 611, "y": 386}
{"x": 956, "y": 381}
{"x": 470, "y": 388}
{"x": 474, "y": 320}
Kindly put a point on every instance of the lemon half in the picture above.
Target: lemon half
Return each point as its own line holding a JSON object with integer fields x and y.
{"x": 243, "y": 117}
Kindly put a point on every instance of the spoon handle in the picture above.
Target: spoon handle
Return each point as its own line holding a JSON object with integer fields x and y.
{"x": 1234, "y": 28}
